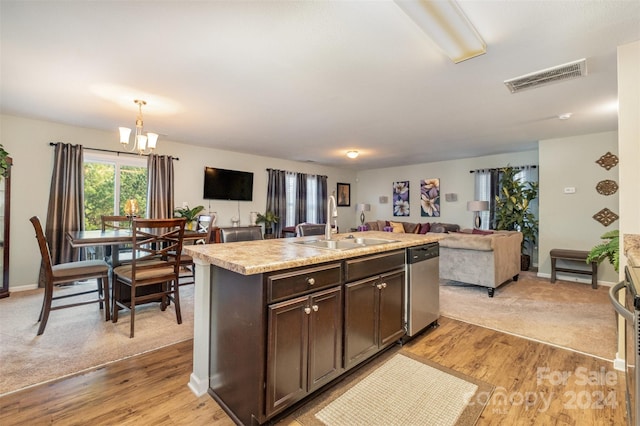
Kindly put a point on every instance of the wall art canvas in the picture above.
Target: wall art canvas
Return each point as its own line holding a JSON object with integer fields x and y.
{"x": 430, "y": 197}
{"x": 401, "y": 198}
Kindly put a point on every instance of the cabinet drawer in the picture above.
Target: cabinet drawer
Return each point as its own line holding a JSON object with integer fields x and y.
{"x": 368, "y": 266}
{"x": 301, "y": 281}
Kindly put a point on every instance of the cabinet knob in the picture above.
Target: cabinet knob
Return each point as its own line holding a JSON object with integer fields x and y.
{"x": 384, "y": 285}
{"x": 381, "y": 286}
{"x": 315, "y": 308}
{"x": 311, "y": 281}
{"x": 307, "y": 310}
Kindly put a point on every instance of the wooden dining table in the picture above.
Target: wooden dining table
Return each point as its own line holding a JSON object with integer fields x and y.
{"x": 115, "y": 238}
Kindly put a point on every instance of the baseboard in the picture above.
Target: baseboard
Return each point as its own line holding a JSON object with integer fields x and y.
{"x": 23, "y": 288}
{"x": 618, "y": 363}
{"x": 198, "y": 387}
{"x": 562, "y": 277}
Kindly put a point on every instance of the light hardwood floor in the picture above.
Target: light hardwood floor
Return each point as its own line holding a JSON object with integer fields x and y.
{"x": 539, "y": 385}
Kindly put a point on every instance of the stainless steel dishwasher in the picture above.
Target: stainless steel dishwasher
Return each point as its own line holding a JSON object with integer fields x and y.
{"x": 422, "y": 296}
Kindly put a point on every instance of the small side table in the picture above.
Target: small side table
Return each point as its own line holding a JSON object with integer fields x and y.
{"x": 576, "y": 256}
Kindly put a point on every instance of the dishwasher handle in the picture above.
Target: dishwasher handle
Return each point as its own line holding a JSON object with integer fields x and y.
{"x": 613, "y": 296}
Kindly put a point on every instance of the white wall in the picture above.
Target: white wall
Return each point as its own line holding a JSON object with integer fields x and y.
{"x": 27, "y": 142}
{"x": 566, "y": 220}
{"x": 455, "y": 177}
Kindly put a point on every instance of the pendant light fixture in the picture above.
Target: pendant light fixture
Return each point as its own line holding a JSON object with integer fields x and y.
{"x": 144, "y": 144}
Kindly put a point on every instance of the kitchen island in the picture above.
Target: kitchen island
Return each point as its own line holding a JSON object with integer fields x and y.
{"x": 275, "y": 320}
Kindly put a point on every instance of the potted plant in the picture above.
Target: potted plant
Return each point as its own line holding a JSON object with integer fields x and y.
{"x": 190, "y": 214}
{"x": 608, "y": 249}
{"x": 4, "y": 165}
{"x": 268, "y": 218}
{"x": 513, "y": 211}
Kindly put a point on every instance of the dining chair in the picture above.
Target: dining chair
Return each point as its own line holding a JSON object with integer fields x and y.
{"x": 69, "y": 272}
{"x": 247, "y": 233}
{"x": 116, "y": 222}
{"x": 305, "y": 229}
{"x": 154, "y": 267}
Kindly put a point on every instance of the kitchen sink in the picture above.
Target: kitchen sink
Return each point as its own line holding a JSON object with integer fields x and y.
{"x": 344, "y": 244}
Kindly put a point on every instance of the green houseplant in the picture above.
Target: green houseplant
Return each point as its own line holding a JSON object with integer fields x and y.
{"x": 3, "y": 161}
{"x": 608, "y": 249}
{"x": 513, "y": 210}
{"x": 268, "y": 218}
{"x": 190, "y": 214}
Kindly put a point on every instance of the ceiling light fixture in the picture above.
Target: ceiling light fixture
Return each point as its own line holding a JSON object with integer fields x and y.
{"x": 446, "y": 24}
{"x": 144, "y": 144}
{"x": 565, "y": 116}
{"x": 352, "y": 154}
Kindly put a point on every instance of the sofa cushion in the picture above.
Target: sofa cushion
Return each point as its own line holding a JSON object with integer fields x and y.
{"x": 424, "y": 228}
{"x": 410, "y": 228}
{"x": 467, "y": 241}
{"x": 481, "y": 232}
{"x": 398, "y": 227}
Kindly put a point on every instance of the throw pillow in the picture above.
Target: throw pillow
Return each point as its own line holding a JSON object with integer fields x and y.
{"x": 481, "y": 232}
{"x": 438, "y": 228}
{"x": 397, "y": 227}
{"x": 424, "y": 228}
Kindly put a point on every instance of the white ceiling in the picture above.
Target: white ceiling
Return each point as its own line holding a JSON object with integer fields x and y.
{"x": 308, "y": 81}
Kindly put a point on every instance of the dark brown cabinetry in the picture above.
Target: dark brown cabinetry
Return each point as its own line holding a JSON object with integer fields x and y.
{"x": 373, "y": 305}
{"x": 277, "y": 337}
{"x": 304, "y": 348}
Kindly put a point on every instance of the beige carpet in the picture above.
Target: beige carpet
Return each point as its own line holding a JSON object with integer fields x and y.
{"x": 78, "y": 338}
{"x": 565, "y": 314}
{"x": 399, "y": 389}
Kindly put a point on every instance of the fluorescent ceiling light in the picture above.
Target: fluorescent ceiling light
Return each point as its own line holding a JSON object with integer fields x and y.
{"x": 445, "y": 23}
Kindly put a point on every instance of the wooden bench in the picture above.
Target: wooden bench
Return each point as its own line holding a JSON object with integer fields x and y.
{"x": 576, "y": 256}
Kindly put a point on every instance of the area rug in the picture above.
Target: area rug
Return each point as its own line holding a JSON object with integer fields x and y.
{"x": 78, "y": 338}
{"x": 566, "y": 314}
{"x": 400, "y": 389}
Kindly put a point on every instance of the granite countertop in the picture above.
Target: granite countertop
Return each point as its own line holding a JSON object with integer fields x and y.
{"x": 631, "y": 248}
{"x": 255, "y": 257}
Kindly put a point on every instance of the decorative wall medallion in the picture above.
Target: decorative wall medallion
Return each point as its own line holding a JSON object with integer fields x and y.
{"x": 605, "y": 217}
{"x": 608, "y": 160}
{"x": 607, "y": 187}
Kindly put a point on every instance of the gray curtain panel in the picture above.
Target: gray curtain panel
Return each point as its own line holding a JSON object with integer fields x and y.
{"x": 66, "y": 204}
{"x": 322, "y": 199}
{"x": 160, "y": 187}
{"x": 277, "y": 197}
{"x": 301, "y": 198}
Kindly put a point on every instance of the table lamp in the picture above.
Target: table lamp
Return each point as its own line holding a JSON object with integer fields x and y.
{"x": 131, "y": 210}
{"x": 476, "y": 207}
{"x": 363, "y": 208}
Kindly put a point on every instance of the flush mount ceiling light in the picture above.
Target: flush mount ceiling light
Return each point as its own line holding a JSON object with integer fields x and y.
{"x": 446, "y": 24}
{"x": 144, "y": 144}
{"x": 565, "y": 116}
{"x": 352, "y": 154}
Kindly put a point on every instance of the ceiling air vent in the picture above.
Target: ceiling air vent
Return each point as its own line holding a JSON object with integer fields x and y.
{"x": 567, "y": 71}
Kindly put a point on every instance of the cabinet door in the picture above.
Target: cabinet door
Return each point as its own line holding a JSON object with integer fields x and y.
{"x": 361, "y": 328}
{"x": 325, "y": 337}
{"x": 288, "y": 326}
{"x": 391, "y": 307}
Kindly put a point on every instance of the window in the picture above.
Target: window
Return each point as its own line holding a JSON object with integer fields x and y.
{"x": 108, "y": 182}
{"x": 313, "y": 199}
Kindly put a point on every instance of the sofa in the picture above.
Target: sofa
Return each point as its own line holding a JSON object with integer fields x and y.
{"x": 411, "y": 227}
{"x": 487, "y": 259}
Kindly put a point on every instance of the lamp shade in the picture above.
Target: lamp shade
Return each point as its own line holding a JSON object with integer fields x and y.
{"x": 477, "y": 206}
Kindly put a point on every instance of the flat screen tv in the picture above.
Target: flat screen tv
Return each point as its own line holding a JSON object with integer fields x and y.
{"x": 222, "y": 184}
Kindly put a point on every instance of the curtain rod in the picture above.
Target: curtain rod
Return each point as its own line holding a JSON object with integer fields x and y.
{"x": 532, "y": 166}
{"x": 113, "y": 151}
{"x": 278, "y": 170}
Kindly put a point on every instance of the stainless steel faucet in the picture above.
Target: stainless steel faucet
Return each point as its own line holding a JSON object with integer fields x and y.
{"x": 332, "y": 213}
